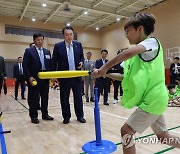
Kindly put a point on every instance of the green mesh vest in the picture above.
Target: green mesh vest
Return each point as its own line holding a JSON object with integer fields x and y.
{"x": 144, "y": 84}
{"x": 178, "y": 90}
{"x": 172, "y": 96}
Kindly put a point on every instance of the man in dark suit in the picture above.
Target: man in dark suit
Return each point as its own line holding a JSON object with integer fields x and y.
{"x": 2, "y": 72}
{"x": 37, "y": 59}
{"x": 175, "y": 70}
{"x": 68, "y": 55}
{"x": 39, "y": 106}
{"x": 19, "y": 78}
{"x": 102, "y": 83}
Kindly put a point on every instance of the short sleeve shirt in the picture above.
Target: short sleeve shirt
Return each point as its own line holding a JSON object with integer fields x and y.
{"x": 151, "y": 45}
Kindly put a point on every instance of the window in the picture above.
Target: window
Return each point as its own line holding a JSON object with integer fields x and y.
{"x": 9, "y": 29}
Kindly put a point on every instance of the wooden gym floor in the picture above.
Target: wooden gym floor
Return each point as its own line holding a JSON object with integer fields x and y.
{"x": 54, "y": 137}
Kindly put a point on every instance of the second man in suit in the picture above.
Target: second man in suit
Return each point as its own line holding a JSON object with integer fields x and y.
{"x": 89, "y": 80}
{"x": 37, "y": 59}
{"x": 102, "y": 83}
{"x": 19, "y": 78}
{"x": 68, "y": 55}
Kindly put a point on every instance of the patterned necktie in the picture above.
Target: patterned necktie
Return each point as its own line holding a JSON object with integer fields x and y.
{"x": 71, "y": 58}
{"x": 104, "y": 62}
{"x": 41, "y": 56}
{"x": 89, "y": 65}
{"x": 20, "y": 69}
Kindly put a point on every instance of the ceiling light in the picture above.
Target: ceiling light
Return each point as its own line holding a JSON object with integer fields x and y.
{"x": 145, "y": 6}
{"x": 44, "y": 4}
{"x": 118, "y": 18}
{"x": 66, "y": 6}
{"x": 97, "y": 28}
{"x": 68, "y": 24}
{"x": 33, "y": 18}
{"x": 85, "y": 12}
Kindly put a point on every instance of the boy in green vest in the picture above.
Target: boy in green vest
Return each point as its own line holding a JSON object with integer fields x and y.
{"x": 174, "y": 98}
{"x": 143, "y": 82}
{"x": 178, "y": 86}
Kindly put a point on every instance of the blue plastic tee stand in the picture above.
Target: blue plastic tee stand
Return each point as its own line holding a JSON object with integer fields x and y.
{"x": 98, "y": 146}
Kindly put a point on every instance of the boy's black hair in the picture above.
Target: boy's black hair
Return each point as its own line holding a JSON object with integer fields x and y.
{"x": 67, "y": 27}
{"x": 146, "y": 20}
{"x": 178, "y": 78}
{"x": 104, "y": 50}
{"x": 37, "y": 35}
{"x": 177, "y": 58}
{"x": 170, "y": 86}
{"x": 19, "y": 57}
{"x": 89, "y": 52}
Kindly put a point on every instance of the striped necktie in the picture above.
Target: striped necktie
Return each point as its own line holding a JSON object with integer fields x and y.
{"x": 20, "y": 69}
{"x": 41, "y": 56}
{"x": 71, "y": 58}
{"x": 104, "y": 61}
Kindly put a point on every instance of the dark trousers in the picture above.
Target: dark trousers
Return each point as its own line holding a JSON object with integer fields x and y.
{"x": 65, "y": 87}
{"x": 1, "y": 82}
{"x": 117, "y": 84}
{"x": 41, "y": 90}
{"x": 103, "y": 87}
{"x": 82, "y": 84}
{"x": 173, "y": 78}
{"x": 21, "y": 81}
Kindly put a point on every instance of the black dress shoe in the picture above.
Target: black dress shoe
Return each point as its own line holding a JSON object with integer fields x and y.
{"x": 87, "y": 100}
{"x": 65, "y": 121}
{"x": 24, "y": 98}
{"x": 105, "y": 103}
{"x": 39, "y": 108}
{"x": 81, "y": 120}
{"x": 15, "y": 98}
{"x": 35, "y": 121}
{"x": 47, "y": 118}
{"x": 92, "y": 100}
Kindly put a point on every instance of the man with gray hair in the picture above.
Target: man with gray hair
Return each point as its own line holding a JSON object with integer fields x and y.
{"x": 89, "y": 80}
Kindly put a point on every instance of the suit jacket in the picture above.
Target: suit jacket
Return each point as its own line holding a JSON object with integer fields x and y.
{"x": 2, "y": 67}
{"x": 60, "y": 58}
{"x": 88, "y": 66}
{"x": 172, "y": 68}
{"x": 16, "y": 72}
{"x": 32, "y": 64}
{"x": 99, "y": 63}
{"x": 118, "y": 67}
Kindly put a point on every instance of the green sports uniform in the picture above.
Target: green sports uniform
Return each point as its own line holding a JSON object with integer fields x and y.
{"x": 178, "y": 90}
{"x": 172, "y": 96}
{"x": 144, "y": 83}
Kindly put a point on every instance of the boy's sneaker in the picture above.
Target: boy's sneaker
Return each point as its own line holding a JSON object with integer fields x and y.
{"x": 115, "y": 101}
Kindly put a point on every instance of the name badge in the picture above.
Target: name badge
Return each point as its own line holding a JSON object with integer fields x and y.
{"x": 47, "y": 56}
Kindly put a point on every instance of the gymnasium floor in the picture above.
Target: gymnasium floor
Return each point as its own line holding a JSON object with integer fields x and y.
{"x": 54, "y": 137}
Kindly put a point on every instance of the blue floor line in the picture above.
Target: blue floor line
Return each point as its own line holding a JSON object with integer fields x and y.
{"x": 3, "y": 143}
